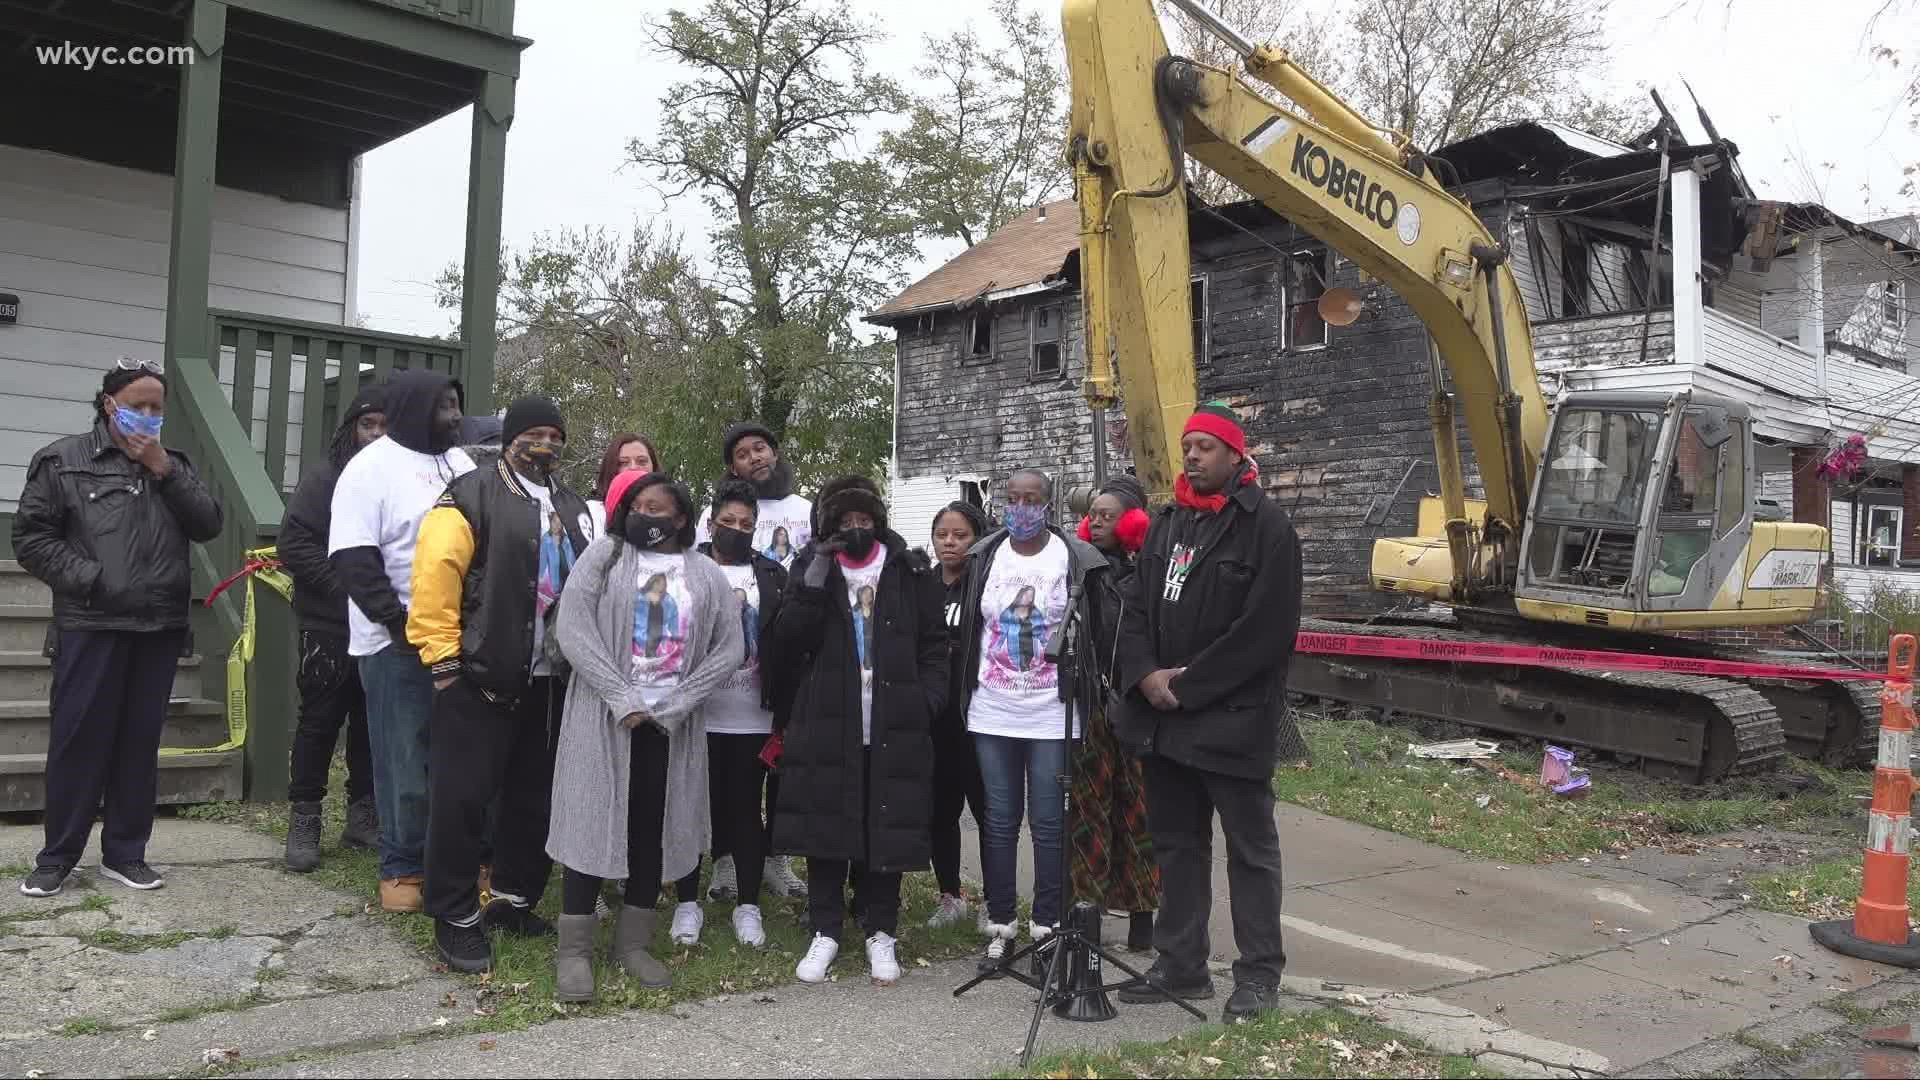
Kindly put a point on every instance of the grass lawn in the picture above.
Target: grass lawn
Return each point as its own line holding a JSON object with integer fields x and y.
{"x": 519, "y": 991}
{"x": 1324, "y": 1043}
{"x": 1361, "y": 771}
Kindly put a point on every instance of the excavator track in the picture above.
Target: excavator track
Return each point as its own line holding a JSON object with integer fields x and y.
{"x": 1689, "y": 728}
{"x": 1834, "y": 723}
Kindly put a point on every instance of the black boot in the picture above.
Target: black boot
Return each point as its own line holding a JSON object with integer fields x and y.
{"x": 503, "y": 914}
{"x": 303, "y": 837}
{"x": 1140, "y": 932}
{"x": 464, "y": 948}
{"x": 363, "y": 825}
{"x": 1250, "y": 1001}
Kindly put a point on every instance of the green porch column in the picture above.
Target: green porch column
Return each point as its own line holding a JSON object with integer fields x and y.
{"x": 486, "y": 180}
{"x": 198, "y": 134}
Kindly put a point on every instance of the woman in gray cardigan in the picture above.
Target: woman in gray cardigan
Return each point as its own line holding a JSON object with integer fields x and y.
{"x": 648, "y": 625}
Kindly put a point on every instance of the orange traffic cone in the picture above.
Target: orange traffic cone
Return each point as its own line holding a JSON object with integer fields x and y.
{"x": 1879, "y": 929}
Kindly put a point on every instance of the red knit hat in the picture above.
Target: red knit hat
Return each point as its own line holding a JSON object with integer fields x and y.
{"x": 621, "y": 482}
{"x": 1217, "y": 418}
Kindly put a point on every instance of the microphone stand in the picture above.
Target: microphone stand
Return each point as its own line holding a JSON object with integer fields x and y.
{"x": 1072, "y": 989}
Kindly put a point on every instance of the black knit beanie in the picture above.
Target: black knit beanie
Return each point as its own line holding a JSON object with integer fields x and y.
{"x": 531, "y": 411}
{"x": 1127, "y": 489}
{"x": 740, "y": 431}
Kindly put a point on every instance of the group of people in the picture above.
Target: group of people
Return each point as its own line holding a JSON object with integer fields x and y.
{"x": 625, "y": 683}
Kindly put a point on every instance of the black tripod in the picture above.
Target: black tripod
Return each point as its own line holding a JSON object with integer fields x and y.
{"x": 1070, "y": 957}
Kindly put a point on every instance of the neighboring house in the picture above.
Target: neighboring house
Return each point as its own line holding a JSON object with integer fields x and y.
{"x": 990, "y": 359}
{"x": 183, "y": 190}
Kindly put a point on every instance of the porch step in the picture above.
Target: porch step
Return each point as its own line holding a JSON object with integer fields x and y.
{"x": 23, "y": 627}
{"x": 24, "y": 725}
{"x": 188, "y": 778}
{"x": 27, "y": 676}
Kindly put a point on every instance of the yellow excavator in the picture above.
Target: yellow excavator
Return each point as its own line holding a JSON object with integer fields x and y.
{"x": 1607, "y": 519}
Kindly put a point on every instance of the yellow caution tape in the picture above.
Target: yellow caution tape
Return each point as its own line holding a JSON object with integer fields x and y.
{"x": 262, "y": 566}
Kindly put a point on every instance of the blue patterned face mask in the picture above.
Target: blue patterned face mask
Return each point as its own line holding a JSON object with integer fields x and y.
{"x": 133, "y": 423}
{"x": 1025, "y": 521}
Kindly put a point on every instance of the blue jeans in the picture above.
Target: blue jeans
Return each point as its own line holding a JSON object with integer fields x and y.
{"x": 1016, "y": 771}
{"x": 399, "y": 709}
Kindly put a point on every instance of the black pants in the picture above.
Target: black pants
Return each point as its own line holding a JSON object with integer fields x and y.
{"x": 482, "y": 750}
{"x": 1181, "y": 802}
{"x": 876, "y": 895}
{"x": 108, "y": 706}
{"x": 646, "y": 817}
{"x": 330, "y": 696}
{"x": 956, "y": 783}
{"x": 736, "y": 785}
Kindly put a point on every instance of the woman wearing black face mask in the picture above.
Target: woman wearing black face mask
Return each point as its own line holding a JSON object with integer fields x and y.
{"x": 857, "y": 768}
{"x": 741, "y": 717}
{"x": 652, "y": 631}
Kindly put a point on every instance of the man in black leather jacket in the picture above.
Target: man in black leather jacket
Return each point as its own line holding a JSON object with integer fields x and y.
{"x": 330, "y": 692}
{"x": 489, "y": 563}
{"x": 105, "y": 519}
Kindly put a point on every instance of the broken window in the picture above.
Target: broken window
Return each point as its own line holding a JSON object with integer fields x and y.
{"x": 1202, "y": 343}
{"x": 1576, "y": 275}
{"x": 980, "y": 333}
{"x": 1046, "y": 341}
{"x": 1893, "y": 302}
{"x": 1306, "y": 283}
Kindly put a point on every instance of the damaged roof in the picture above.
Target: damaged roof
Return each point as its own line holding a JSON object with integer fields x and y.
{"x": 1029, "y": 250}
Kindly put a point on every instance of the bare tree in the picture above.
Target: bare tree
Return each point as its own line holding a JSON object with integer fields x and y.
{"x": 987, "y": 138}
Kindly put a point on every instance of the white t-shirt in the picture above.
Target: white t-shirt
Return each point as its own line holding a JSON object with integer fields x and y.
{"x": 382, "y": 495}
{"x": 597, "y": 517}
{"x": 734, "y": 709}
{"x": 783, "y": 527}
{"x": 1021, "y": 608}
{"x": 663, "y": 616}
{"x": 863, "y": 593}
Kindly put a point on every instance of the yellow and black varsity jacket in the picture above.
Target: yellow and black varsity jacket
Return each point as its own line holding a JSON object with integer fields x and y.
{"x": 476, "y": 569}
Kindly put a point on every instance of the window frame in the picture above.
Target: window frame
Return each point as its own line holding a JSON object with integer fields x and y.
{"x": 1058, "y": 342}
{"x": 1893, "y": 302}
{"x": 1201, "y": 320}
{"x": 1288, "y": 303}
{"x": 973, "y": 323}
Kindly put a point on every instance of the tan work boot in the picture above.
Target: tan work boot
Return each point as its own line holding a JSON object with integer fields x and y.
{"x": 632, "y": 936}
{"x": 402, "y": 894}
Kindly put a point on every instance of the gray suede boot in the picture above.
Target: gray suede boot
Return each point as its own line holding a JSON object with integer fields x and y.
{"x": 573, "y": 959}
{"x": 632, "y": 937}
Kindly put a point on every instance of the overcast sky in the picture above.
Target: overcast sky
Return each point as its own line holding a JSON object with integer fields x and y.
{"x": 1813, "y": 116}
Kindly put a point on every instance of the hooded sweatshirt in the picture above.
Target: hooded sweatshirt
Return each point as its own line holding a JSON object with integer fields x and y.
{"x": 377, "y": 505}
{"x": 318, "y": 597}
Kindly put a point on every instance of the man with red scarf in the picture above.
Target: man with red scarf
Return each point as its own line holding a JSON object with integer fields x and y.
{"x": 1205, "y": 637}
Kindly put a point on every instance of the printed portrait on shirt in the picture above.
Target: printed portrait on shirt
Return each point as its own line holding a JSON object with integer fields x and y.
{"x": 1022, "y": 614}
{"x": 659, "y": 623}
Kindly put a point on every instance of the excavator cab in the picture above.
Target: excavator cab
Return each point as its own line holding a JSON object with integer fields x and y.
{"x": 1643, "y": 518}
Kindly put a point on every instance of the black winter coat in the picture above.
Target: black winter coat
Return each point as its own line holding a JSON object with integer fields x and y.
{"x": 108, "y": 537}
{"x": 820, "y": 811}
{"x": 776, "y": 690}
{"x": 319, "y": 598}
{"x": 1230, "y": 620}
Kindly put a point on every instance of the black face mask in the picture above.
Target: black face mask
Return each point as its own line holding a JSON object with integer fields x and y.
{"x": 737, "y": 546}
{"x": 859, "y": 542}
{"x": 645, "y": 531}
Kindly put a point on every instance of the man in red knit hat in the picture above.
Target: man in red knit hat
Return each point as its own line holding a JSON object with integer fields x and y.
{"x": 1205, "y": 637}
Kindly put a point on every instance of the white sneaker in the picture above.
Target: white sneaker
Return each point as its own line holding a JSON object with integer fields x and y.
{"x": 881, "y": 962}
{"x": 725, "y": 884}
{"x": 813, "y": 966}
{"x": 747, "y": 927}
{"x": 687, "y": 921}
{"x": 999, "y": 944}
{"x": 953, "y": 911}
{"x": 781, "y": 880}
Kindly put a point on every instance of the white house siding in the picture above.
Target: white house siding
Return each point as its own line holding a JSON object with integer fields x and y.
{"x": 84, "y": 246}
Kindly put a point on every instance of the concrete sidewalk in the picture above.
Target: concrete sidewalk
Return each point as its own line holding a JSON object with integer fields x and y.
{"x": 1563, "y": 970}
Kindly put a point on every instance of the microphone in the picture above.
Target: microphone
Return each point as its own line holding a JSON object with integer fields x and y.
{"x": 1058, "y": 646}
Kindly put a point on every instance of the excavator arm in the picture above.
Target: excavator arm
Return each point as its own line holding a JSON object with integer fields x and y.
{"x": 1136, "y": 111}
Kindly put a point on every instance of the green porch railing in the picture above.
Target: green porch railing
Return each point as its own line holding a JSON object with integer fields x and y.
{"x": 493, "y": 16}
{"x": 291, "y": 404}
{"x": 250, "y": 416}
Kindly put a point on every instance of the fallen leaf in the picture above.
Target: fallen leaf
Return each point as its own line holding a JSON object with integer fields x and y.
{"x": 218, "y": 1055}
{"x": 518, "y": 988}
{"x": 485, "y": 1011}
{"x": 1462, "y": 892}
{"x": 150, "y": 1034}
{"x": 921, "y": 961}
{"x": 764, "y": 999}
{"x": 1729, "y": 982}
{"x": 559, "y": 1008}
{"x": 1621, "y": 930}
{"x": 488, "y": 1044}
{"x": 440, "y": 1021}
{"x": 448, "y": 1001}
{"x": 1500, "y": 868}
{"x": 1340, "y": 1050}
{"x": 1392, "y": 1048}
{"x": 1585, "y": 860}
{"x": 1355, "y": 999}
{"x": 1666, "y": 941}
{"x": 1212, "y": 1061}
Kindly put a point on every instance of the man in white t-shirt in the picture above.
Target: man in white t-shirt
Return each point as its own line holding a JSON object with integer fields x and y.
{"x": 382, "y": 495}
{"x": 1020, "y": 583}
{"x": 783, "y": 524}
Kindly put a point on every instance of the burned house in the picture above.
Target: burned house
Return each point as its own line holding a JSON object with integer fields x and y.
{"x": 1789, "y": 308}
